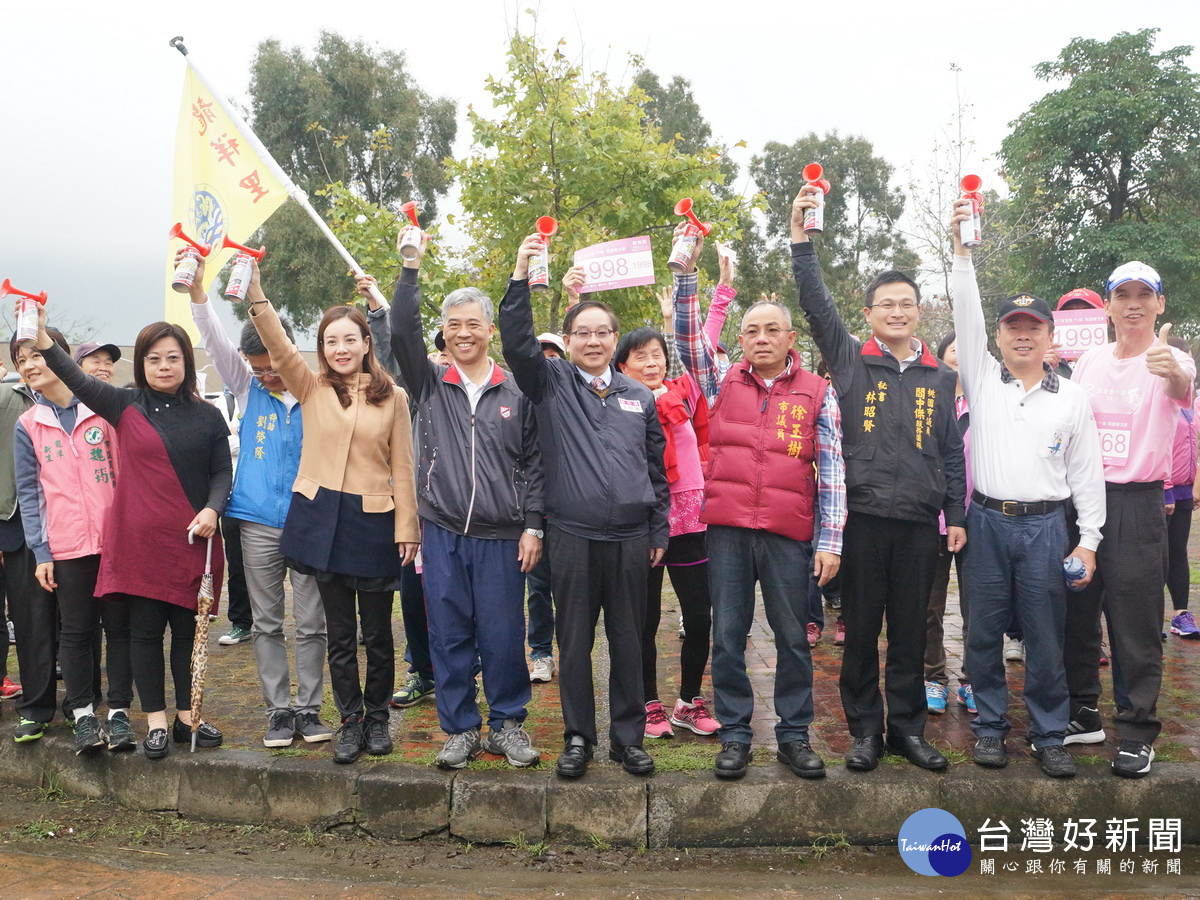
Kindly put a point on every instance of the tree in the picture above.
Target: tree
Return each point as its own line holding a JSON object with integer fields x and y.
{"x": 1112, "y": 160}
{"x": 350, "y": 114}
{"x": 860, "y": 237}
{"x": 575, "y": 146}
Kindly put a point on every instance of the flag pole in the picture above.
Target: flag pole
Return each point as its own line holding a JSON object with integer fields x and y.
{"x": 293, "y": 190}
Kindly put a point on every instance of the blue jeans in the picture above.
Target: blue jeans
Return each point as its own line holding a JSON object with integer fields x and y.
{"x": 1015, "y": 566}
{"x": 541, "y": 609}
{"x": 737, "y": 559}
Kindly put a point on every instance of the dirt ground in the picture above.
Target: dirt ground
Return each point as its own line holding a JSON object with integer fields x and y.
{"x": 54, "y": 846}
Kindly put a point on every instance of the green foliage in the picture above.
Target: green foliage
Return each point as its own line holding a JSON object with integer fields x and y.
{"x": 1112, "y": 159}
{"x": 586, "y": 151}
{"x": 860, "y": 237}
{"x": 350, "y": 115}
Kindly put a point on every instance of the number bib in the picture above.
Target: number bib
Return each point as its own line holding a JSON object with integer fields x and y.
{"x": 1115, "y": 431}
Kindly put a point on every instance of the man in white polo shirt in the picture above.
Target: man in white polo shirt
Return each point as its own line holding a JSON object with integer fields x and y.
{"x": 1137, "y": 386}
{"x": 1034, "y": 445}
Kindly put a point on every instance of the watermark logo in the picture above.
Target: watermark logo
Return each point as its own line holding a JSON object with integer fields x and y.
{"x": 933, "y": 842}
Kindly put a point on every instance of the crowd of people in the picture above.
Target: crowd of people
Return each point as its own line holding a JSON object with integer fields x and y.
{"x": 570, "y": 481}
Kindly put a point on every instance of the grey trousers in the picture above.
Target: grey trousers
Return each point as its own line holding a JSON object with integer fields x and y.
{"x": 265, "y": 568}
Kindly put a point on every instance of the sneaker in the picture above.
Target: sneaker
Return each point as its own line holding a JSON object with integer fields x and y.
{"x": 513, "y": 743}
{"x": 379, "y": 737}
{"x": 694, "y": 716}
{"x": 9, "y": 689}
{"x": 990, "y": 753}
{"x": 935, "y": 697}
{"x": 1103, "y": 654}
{"x": 657, "y": 725}
{"x": 459, "y": 749}
{"x": 156, "y": 745}
{"x": 814, "y": 634}
{"x": 1085, "y": 727}
{"x": 839, "y": 634}
{"x": 87, "y": 734}
{"x": 966, "y": 697}
{"x": 1185, "y": 626}
{"x": 351, "y": 741}
{"x": 12, "y": 634}
{"x": 1056, "y": 761}
{"x": 542, "y": 671}
{"x": 1014, "y": 650}
{"x": 1133, "y": 759}
{"x": 310, "y": 727}
{"x": 206, "y": 735}
{"x": 682, "y": 630}
{"x": 414, "y": 691}
{"x": 119, "y": 733}
{"x": 28, "y": 730}
{"x": 236, "y": 635}
{"x": 282, "y": 729}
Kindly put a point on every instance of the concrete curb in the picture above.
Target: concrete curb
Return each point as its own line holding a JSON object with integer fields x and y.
{"x": 769, "y": 807}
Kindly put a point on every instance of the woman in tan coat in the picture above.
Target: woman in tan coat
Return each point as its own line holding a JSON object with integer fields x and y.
{"x": 353, "y": 518}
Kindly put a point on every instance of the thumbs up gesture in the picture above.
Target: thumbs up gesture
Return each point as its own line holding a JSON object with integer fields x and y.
{"x": 1160, "y": 358}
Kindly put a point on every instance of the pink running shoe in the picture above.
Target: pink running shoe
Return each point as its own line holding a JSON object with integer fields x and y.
{"x": 657, "y": 725}
{"x": 814, "y": 634}
{"x": 694, "y": 716}
{"x": 9, "y": 689}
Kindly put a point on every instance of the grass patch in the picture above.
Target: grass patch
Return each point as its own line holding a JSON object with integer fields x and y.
{"x": 831, "y": 842}
{"x": 1170, "y": 750}
{"x": 685, "y": 756}
{"x": 40, "y": 829}
{"x": 52, "y": 789}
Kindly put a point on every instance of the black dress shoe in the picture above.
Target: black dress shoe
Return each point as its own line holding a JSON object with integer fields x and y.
{"x": 800, "y": 758}
{"x": 916, "y": 750}
{"x": 731, "y": 762}
{"x": 864, "y": 753}
{"x": 573, "y": 761}
{"x": 206, "y": 735}
{"x": 633, "y": 760}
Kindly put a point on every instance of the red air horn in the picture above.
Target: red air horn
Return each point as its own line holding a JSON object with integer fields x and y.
{"x": 539, "y": 266}
{"x": 239, "y": 277}
{"x": 185, "y": 272}
{"x": 970, "y": 231}
{"x": 410, "y": 240}
{"x": 683, "y": 251}
{"x": 27, "y": 310}
{"x": 814, "y": 217}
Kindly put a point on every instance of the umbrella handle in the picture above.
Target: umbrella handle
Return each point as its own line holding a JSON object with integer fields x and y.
{"x": 208, "y": 554}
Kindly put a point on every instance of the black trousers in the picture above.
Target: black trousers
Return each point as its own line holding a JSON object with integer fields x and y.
{"x": 586, "y": 577}
{"x": 887, "y": 574}
{"x": 691, "y": 586}
{"x": 1128, "y": 589}
{"x": 1179, "y": 526}
{"x": 354, "y": 698}
{"x": 237, "y": 594}
{"x": 148, "y": 621}
{"x": 34, "y": 616}
{"x": 82, "y": 615}
{"x": 416, "y": 625}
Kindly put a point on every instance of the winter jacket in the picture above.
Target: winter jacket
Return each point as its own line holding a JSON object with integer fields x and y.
{"x": 903, "y": 450}
{"x": 763, "y": 449}
{"x": 479, "y": 472}
{"x": 603, "y": 456}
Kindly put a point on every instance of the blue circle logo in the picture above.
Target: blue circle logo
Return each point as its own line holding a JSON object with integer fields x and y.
{"x": 933, "y": 842}
{"x": 208, "y": 215}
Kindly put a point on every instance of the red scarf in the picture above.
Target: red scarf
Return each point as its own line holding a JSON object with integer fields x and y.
{"x": 673, "y": 410}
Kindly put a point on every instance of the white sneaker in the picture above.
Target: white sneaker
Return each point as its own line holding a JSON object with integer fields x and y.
{"x": 1014, "y": 650}
{"x": 543, "y": 670}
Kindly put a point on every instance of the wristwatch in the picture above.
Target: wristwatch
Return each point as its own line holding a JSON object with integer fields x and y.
{"x": 536, "y": 532}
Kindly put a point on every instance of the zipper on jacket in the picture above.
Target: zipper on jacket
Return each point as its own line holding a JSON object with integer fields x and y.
{"x": 474, "y": 480}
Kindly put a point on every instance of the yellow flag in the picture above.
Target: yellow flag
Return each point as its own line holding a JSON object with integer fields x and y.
{"x": 222, "y": 187}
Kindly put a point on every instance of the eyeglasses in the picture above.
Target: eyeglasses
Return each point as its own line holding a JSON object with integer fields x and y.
{"x": 600, "y": 333}
{"x": 173, "y": 360}
{"x": 905, "y": 305}
{"x": 263, "y": 373}
{"x": 772, "y": 332}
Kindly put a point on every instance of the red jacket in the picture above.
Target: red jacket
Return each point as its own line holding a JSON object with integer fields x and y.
{"x": 763, "y": 449}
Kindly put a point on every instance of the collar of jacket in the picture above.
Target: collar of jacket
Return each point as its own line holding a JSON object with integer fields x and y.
{"x": 743, "y": 368}
{"x": 873, "y": 354}
{"x": 453, "y": 377}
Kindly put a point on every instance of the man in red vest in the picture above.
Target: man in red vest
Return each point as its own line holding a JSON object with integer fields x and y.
{"x": 776, "y": 454}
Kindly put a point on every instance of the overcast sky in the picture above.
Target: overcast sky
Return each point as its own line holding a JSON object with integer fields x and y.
{"x": 89, "y": 94}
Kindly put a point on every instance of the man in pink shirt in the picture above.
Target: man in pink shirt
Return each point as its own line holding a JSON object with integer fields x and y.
{"x": 1137, "y": 386}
